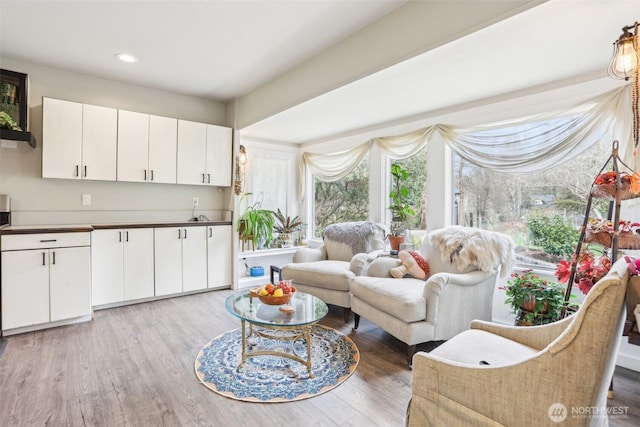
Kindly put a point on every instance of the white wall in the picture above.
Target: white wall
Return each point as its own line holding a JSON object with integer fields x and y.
{"x": 55, "y": 201}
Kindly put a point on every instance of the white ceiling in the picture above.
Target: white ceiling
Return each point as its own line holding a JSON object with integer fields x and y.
{"x": 221, "y": 50}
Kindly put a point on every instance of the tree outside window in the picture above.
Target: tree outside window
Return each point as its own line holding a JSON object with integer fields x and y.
{"x": 344, "y": 200}
{"x": 542, "y": 212}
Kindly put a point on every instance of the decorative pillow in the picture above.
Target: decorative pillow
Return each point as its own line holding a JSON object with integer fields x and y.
{"x": 413, "y": 264}
{"x": 381, "y": 267}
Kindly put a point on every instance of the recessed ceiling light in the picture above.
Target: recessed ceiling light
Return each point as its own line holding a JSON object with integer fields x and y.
{"x": 125, "y": 57}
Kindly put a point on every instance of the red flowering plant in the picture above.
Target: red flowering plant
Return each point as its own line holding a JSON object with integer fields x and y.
{"x": 589, "y": 269}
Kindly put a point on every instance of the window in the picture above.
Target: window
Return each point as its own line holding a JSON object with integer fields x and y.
{"x": 416, "y": 165}
{"x": 344, "y": 200}
{"x": 542, "y": 212}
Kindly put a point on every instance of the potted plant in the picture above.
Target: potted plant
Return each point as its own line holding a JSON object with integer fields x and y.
{"x": 534, "y": 300}
{"x": 399, "y": 204}
{"x": 256, "y": 224}
{"x": 285, "y": 226}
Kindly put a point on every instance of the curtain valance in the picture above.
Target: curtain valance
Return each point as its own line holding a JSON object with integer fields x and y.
{"x": 524, "y": 145}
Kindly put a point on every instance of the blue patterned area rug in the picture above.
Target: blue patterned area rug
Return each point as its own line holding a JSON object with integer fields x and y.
{"x": 273, "y": 379}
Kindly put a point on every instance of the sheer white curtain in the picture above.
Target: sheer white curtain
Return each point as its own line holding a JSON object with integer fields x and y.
{"x": 529, "y": 144}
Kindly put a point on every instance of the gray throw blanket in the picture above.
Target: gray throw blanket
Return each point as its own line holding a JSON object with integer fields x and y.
{"x": 354, "y": 234}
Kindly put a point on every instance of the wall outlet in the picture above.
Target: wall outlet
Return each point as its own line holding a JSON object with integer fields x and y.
{"x": 86, "y": 199}
{"x": 196, "y": 201}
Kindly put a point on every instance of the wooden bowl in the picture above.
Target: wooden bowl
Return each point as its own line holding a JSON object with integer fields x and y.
{"x": 271, "y": 300}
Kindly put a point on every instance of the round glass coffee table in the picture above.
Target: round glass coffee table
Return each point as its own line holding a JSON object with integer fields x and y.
{"x": 288, "y": 322}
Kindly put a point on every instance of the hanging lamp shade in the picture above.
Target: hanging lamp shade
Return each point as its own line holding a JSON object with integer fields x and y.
{"x": 624, "y": 61}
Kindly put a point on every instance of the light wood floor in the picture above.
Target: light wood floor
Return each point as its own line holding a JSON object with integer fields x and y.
{"x": 134, "y": 366}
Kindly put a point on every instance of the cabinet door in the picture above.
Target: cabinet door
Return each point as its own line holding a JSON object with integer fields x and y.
{"x": 106, "y": 267}
{"x": 99, "y": 138}
{"x": 25, "y": 288}
{"x": 133, "y": 146}
{"x": 194, "y": 258}
{"x": 163, "y": 141}
{"x": 61, "y": 138}
{"x": 219, "y": 153}
{"x": 138, "y": 263}
{"x": 70, "y": 282}
{"x": 168, "y": 260}
{"x": 219, "y": 256}
{"x": 192, "y": 142}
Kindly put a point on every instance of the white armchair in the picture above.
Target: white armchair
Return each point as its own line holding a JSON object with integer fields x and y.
{"x": 503, "y": 375}
{"x": 463, "y": 266}
{"x": 327, "y": 271}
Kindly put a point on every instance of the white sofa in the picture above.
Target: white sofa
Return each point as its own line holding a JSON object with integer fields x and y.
{"x": 463, "y": 266}
{"x": 327, "y": 271}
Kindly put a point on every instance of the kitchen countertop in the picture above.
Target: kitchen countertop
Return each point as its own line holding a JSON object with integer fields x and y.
{"x": 79, "y": 228}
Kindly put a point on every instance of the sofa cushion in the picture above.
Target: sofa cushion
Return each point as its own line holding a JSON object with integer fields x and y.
{"x": 400, "y": 298}
{"x": 327, "y": 274}
{"x": 474, "y": 346}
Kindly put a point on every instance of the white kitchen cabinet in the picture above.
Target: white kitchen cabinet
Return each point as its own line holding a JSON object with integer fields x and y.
{"x": 180, "y": 259}
{"x": 219, "y": 263}
{"x": 146, "y": 148}
{"x": 122, "y": 265}
{"x": 133, "y": 146}
{"x": 99, "y": 139}
{"x": 45, "y": 278}
{"x": 79, "y": 140}
{"x": 204, "y": 154}
{"x": 192, "y": 148}
{"x": 163, "y": 141}
{"x": 219, "y": 153}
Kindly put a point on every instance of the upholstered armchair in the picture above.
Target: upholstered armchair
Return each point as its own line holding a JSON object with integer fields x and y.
{"x": 327, "y": 271}
{"x": 503, "y": 375}
{"x": 463, "y": 266}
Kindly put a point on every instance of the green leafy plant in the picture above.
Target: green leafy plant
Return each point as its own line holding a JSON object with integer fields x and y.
{"x": 534, "y": 300}
{"x": 286, "y": 225}
{"x": 399, "y": 200}
{"x": 255, "y": 223}
{"x": 6, "y": 122}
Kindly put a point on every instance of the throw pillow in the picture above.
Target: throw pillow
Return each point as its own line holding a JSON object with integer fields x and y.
{"x": 413, "y": 264}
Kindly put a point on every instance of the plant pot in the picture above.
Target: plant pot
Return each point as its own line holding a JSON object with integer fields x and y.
{"x": 286, "y": 240}
{"x": 394, "y": 242}
{"x": 530, "y": 306}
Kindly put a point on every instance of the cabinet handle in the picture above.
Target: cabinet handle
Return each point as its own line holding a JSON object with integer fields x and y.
{"x": 127, "y": 233}
{"x": 151, "y": 174}
{"x": 185, "y": 233}
{"x": 48, "y": 240}
{"x": 179, "y": 234}
{"x": 54, "y": 257}
{"x": 119, "y": 236}
{"x": 208, "y": 178}
{"x": 145, "y": 174}
{"x": 85, "y": 171}
{"x": 43, "y": 258}
{"x": 203, "y": 178}
{"x": 77, "y": 170}
{"x": 210, "y": 232}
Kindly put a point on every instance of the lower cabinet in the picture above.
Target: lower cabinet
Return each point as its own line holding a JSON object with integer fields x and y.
{"x": 219, "y": 274}
{"x": 180, "y": 259}
{"x": 41, "y": 283}
{"x": 122, "y": 265}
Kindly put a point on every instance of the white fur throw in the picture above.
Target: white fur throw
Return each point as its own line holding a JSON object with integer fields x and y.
{"x": 356, "y": 235}
{"x": 466, "y": 246}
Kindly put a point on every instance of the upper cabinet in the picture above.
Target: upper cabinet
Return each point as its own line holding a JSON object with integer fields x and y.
{"x": 146, "y": 148}
{"x": 204, "y": 154}
{"x": 79, "y": 141}
{"x": 83, "y": 141}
